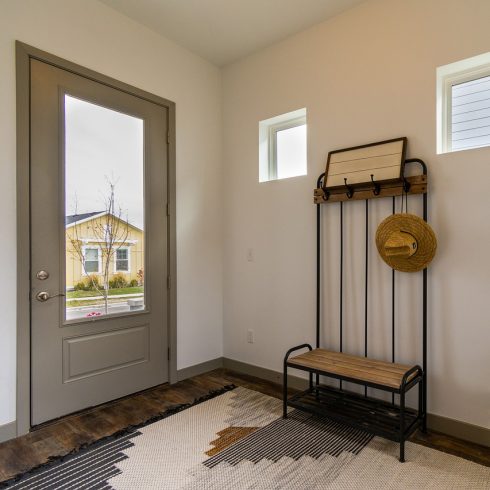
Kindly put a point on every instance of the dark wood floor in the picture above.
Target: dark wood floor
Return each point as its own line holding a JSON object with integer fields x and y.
{"x": 70, "y": 433}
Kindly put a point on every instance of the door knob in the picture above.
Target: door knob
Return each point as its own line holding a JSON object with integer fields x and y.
{"x": 44, "y": 296}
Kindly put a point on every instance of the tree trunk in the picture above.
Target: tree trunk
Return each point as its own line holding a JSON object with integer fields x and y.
{"x": 106, "y": 297}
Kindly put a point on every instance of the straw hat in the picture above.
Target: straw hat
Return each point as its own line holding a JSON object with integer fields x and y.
{"x": 406, "y": 242}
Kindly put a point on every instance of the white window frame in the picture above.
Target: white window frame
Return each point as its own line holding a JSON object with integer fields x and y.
{"x": 447, "y": 77}
{"x": 268, "y": 130}
{"x": 99, "y": 259}
{"x": 273, "y": 130}
{"x": 129, "y": 260}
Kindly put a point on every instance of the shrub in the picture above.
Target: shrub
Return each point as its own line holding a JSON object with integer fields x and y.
{"x": 141, "y": 277}
{"x": 133, "y": 283}
{"x": 118, "y": 281}
{"x": 92, "y": 283}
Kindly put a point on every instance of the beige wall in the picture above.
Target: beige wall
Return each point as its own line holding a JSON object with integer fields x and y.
{"x": 366, "y": 75}
{"x": 93, "y": 35}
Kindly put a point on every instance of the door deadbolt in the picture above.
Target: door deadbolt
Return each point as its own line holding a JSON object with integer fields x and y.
{"x": 43, "y": 296}
{"x": 42, "y": 275}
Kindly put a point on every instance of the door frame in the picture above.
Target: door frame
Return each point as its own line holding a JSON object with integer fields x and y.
{"x": 24, "y": 54}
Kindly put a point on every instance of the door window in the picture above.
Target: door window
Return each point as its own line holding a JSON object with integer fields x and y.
{"x": 104, "y": 210}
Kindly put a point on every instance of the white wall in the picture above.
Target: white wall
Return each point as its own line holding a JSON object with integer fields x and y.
{"x": 93, "y": 35}
{"x": 366, "y": 75}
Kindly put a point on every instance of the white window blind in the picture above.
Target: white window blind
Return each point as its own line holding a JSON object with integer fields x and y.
{"x": 470, "y": 118}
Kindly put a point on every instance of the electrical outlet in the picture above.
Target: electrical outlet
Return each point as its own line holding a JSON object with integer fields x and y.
{"x": 250, "y": 336}
{"x": 250, "y": 255}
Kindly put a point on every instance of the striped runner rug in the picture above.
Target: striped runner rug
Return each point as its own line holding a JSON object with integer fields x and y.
{"x": 238, "y": 440}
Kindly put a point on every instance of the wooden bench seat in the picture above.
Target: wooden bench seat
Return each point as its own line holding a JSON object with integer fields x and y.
{"x": 357, "y": 368}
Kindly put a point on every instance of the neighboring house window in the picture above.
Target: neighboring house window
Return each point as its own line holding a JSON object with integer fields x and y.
{"x": 463, "y": 104}
{"x": 122, "y": 260}
{"x": 282, "y": 146}
{"x": 91, "y": 259}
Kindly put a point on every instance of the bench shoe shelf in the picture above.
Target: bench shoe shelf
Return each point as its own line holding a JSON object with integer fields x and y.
{"x": 393, "y": 421}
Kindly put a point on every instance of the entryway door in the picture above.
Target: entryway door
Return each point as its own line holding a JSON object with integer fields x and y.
{"x": 99, "y": 242}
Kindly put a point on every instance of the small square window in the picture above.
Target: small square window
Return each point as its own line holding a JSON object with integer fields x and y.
{"x": 463, "y": 112}
{"x": 282, "y": 146}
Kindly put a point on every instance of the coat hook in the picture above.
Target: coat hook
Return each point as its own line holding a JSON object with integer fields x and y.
{"x": 406, "y": 185}
{"x": 350, "y": 190}
{"x": 376, "y": 186}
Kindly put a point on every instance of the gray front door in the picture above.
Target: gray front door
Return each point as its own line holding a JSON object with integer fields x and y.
{"x": 98, "y": 243}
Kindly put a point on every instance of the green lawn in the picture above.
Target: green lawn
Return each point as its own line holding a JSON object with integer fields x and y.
{"x": 93, "y": 302}
{"x": 112, "y": 292}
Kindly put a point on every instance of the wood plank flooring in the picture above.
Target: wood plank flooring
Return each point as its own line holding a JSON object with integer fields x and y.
{"x": 69, "y": 433}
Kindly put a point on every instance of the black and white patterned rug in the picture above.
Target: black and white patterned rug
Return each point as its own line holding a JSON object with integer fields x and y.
{"x": 238, "y": 440}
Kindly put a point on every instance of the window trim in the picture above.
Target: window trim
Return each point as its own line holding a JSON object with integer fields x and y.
{"x": 99, "y": 259}
{"x": 128, "y": 250}
{"x": 273, "y": 130}
{"x": 268, "y": 129}
{"x": 447, "y": 77}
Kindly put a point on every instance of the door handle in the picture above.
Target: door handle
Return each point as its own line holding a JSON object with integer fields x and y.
{"x": 43, "y": 296}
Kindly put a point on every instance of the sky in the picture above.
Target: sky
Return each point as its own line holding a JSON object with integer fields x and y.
{"x": 102, "y": 144}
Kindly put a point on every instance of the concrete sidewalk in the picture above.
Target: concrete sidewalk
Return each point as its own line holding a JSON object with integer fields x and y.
{"x": 111, "y": 296}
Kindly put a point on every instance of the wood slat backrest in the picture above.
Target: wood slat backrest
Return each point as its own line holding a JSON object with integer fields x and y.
{"x": 383, "y": 160}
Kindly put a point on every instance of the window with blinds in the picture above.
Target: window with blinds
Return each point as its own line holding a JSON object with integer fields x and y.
{"x": 470, "y": 114}
{"x": 463, "y": 104}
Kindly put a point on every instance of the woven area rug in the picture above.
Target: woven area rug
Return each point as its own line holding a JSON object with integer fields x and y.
{"x": 238, "y": 440}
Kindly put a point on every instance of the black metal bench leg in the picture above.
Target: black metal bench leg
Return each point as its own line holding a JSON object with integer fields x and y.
{"x": 402, "y": 425}
{"x": 285, "y": 392}
{"x": 422, "y": 410}
{"x": 285, "y": 377}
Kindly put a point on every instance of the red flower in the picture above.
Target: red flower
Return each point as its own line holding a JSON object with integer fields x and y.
{"x": 93, "y": 313}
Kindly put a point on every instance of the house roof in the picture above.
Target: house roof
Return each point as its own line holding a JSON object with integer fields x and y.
{"x": 79, "y": 217}
{"x": 73, "y": 219}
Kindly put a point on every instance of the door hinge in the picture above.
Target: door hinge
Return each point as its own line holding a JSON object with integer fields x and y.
{"x": 169, "y": 283}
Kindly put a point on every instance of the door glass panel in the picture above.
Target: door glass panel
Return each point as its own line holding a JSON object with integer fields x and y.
{"x": 104, "y": 211}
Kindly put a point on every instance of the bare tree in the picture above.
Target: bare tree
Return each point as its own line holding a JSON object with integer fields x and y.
{"x": 111, "y": 232}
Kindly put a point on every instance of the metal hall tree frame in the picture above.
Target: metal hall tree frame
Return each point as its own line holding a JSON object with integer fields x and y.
{"x": 389, "y": 420}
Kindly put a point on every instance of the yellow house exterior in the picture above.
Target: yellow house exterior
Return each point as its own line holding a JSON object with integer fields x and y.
{"x": 84, "y": 243}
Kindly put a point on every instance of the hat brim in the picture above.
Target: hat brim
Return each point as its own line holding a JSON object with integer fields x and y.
{"x": 419, "y": 229}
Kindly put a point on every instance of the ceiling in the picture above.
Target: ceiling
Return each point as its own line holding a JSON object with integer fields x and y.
{"x": 222, "y": 31}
